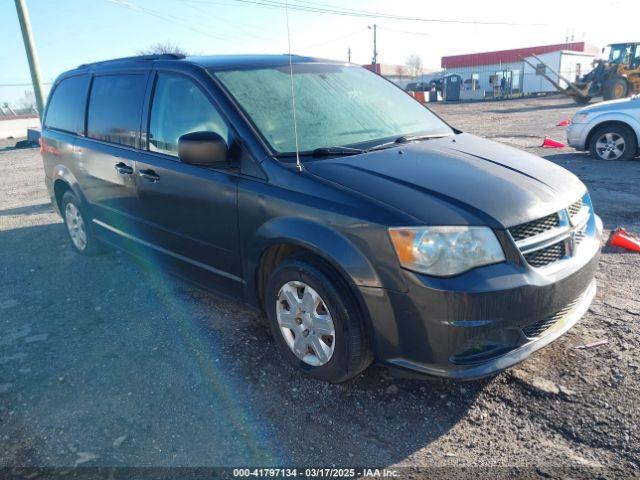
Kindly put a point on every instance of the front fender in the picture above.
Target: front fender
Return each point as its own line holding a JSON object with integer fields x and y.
{"x": 324, "y": 241}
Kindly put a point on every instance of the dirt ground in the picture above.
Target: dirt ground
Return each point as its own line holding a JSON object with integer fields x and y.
{"x": 105, "y": 362}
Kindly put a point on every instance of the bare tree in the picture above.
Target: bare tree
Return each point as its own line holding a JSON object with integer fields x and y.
{"x": 414, "y": 65}
{"x": 160, "y": 48}
{"x": 27, "y": 103}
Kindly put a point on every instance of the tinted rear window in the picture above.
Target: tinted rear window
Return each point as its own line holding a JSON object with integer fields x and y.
{"x": 115, "y": 107}
{"x": 66, "y": 105}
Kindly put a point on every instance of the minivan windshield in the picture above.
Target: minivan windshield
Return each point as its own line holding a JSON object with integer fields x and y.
{"x": 336, "y": 105}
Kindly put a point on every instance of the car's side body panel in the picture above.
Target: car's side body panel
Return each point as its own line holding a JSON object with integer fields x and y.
{"x": 625, "y": 111}
{"x": 55, "y": 147}
{"x": 341, "y": 226}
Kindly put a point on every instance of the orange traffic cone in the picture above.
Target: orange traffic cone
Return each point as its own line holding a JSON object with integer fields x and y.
{"x": 550, "y": 143}
{"x": 620, "y": 238}
{"x": 564, "y": 123}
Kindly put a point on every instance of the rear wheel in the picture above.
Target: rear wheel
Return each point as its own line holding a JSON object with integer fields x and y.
{"x": 80, "y": 231}
{"x": 315, "y": 320}
{"x": 615, "y": 88}
{"x": 615, "y": 142}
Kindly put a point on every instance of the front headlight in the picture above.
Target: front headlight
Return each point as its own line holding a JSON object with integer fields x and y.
{"x": 579, "y": 118}
{"x": 445, "y": 251}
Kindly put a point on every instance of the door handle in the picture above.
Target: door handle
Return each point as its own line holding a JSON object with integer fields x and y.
{"x": 149, "y": 175}
{"x": 123, "y": 169}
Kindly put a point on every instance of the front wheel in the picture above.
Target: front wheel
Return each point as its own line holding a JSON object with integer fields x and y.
{"x": 615, "y": 88}
{"x": 615, "y": 142}
{"x": 315, "y": 320}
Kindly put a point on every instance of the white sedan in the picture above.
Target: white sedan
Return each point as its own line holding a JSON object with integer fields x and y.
{"x": 609, "y": 130}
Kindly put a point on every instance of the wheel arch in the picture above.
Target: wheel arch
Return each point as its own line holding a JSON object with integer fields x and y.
{"x": 64, "y": 180}
{"x": 60, "y": 187}
{"x": 286, "y": 236}
{"x": 614, "y": 121}
{"x": 283, "y": 237}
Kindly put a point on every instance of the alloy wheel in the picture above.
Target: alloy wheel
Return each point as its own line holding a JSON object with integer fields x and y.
{"x": 75, "y": 226}
{"x": 306, "y": 323}
{"x": 610, "y": 146}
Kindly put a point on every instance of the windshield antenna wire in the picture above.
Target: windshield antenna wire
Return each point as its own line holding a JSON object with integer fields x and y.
{"x": 293, "y": 95}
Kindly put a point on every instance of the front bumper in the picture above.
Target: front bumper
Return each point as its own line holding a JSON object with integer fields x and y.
{"x": 484, "y": 321}
{"x": 577, "y": 136}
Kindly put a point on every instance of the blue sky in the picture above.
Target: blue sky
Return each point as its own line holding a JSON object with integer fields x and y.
{"x": 71, "y": 32}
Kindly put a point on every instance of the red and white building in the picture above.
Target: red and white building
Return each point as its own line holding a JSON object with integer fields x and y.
{"x": 483, "y": 73}
{"x": 399, "y": 74}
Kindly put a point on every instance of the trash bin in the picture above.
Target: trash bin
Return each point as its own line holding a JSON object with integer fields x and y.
{"x": 433, "y": 93}
{"x": 451, "y": 90}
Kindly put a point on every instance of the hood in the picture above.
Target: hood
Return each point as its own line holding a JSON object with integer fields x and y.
{"x": 629, "y": 103}
{"x": 457, "y": 180}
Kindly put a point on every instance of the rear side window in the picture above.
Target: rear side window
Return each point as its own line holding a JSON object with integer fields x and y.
{"x": 66, "y": 105}
{"x": 115, "y": 108}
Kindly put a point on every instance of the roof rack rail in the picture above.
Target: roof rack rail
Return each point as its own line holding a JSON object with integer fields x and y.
{"x": 159, "y": 56}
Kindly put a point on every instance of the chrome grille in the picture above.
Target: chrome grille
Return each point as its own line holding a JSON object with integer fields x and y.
{"x": 575, "y": 208}
{"x": 580, "y": 236}
{"x": 547, "y": 255}
{"x": 535, "y": 227}
{"x": 538, "y": 328}
{"x": 550, "y": 239}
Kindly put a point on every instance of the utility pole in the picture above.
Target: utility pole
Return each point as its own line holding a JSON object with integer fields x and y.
{"x": 375, "y": 45}
{"x": 32, "y": 57}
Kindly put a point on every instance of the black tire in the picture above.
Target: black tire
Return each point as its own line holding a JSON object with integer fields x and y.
{"x": 617, "y": 131}
{"x": 92, "y": 246}
{"x": 582, "y": 100}
{"x": 614, "y": 88}
{"x": 351, "y": 350}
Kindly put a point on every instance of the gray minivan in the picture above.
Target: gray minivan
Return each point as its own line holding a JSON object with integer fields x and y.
{"x": 368, "y": 229}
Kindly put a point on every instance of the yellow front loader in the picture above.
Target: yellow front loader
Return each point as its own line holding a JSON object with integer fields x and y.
{"x": 616, "y": 77}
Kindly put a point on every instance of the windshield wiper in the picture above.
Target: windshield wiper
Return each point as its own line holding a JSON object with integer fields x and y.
{"x": 344, "y": 151}
{"x": 404, "y": 139}
{"x": 330, "y": 151}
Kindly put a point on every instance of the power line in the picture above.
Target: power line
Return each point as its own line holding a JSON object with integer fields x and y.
{"x": 342, "y": 37}
{"x": 405, "y": 32}
{"x": 22, "y": 84}
{"x": 130, "y": 5}
{"x": 246, "y": 29}
{"x": 318, "y": 8}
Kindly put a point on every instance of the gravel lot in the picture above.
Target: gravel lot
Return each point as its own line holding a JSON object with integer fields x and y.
{"x": 106, "y": 362}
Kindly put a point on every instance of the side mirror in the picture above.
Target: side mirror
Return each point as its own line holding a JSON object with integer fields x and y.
{"x": 203, "y": 148}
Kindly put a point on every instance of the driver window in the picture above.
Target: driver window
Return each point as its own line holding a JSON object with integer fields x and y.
{"x": 179, "y": 107}
{"x": 627, "y": 55}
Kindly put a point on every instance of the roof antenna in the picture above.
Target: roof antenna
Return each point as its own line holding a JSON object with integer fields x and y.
{"x": 293, "y": 94}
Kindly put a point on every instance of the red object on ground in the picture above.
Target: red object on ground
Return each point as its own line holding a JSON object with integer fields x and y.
{"x": 419, "y": 96}
{"x": 620, "y": 238}
{"x": 564, "y": 123}
{"x": 551, "y": 143}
